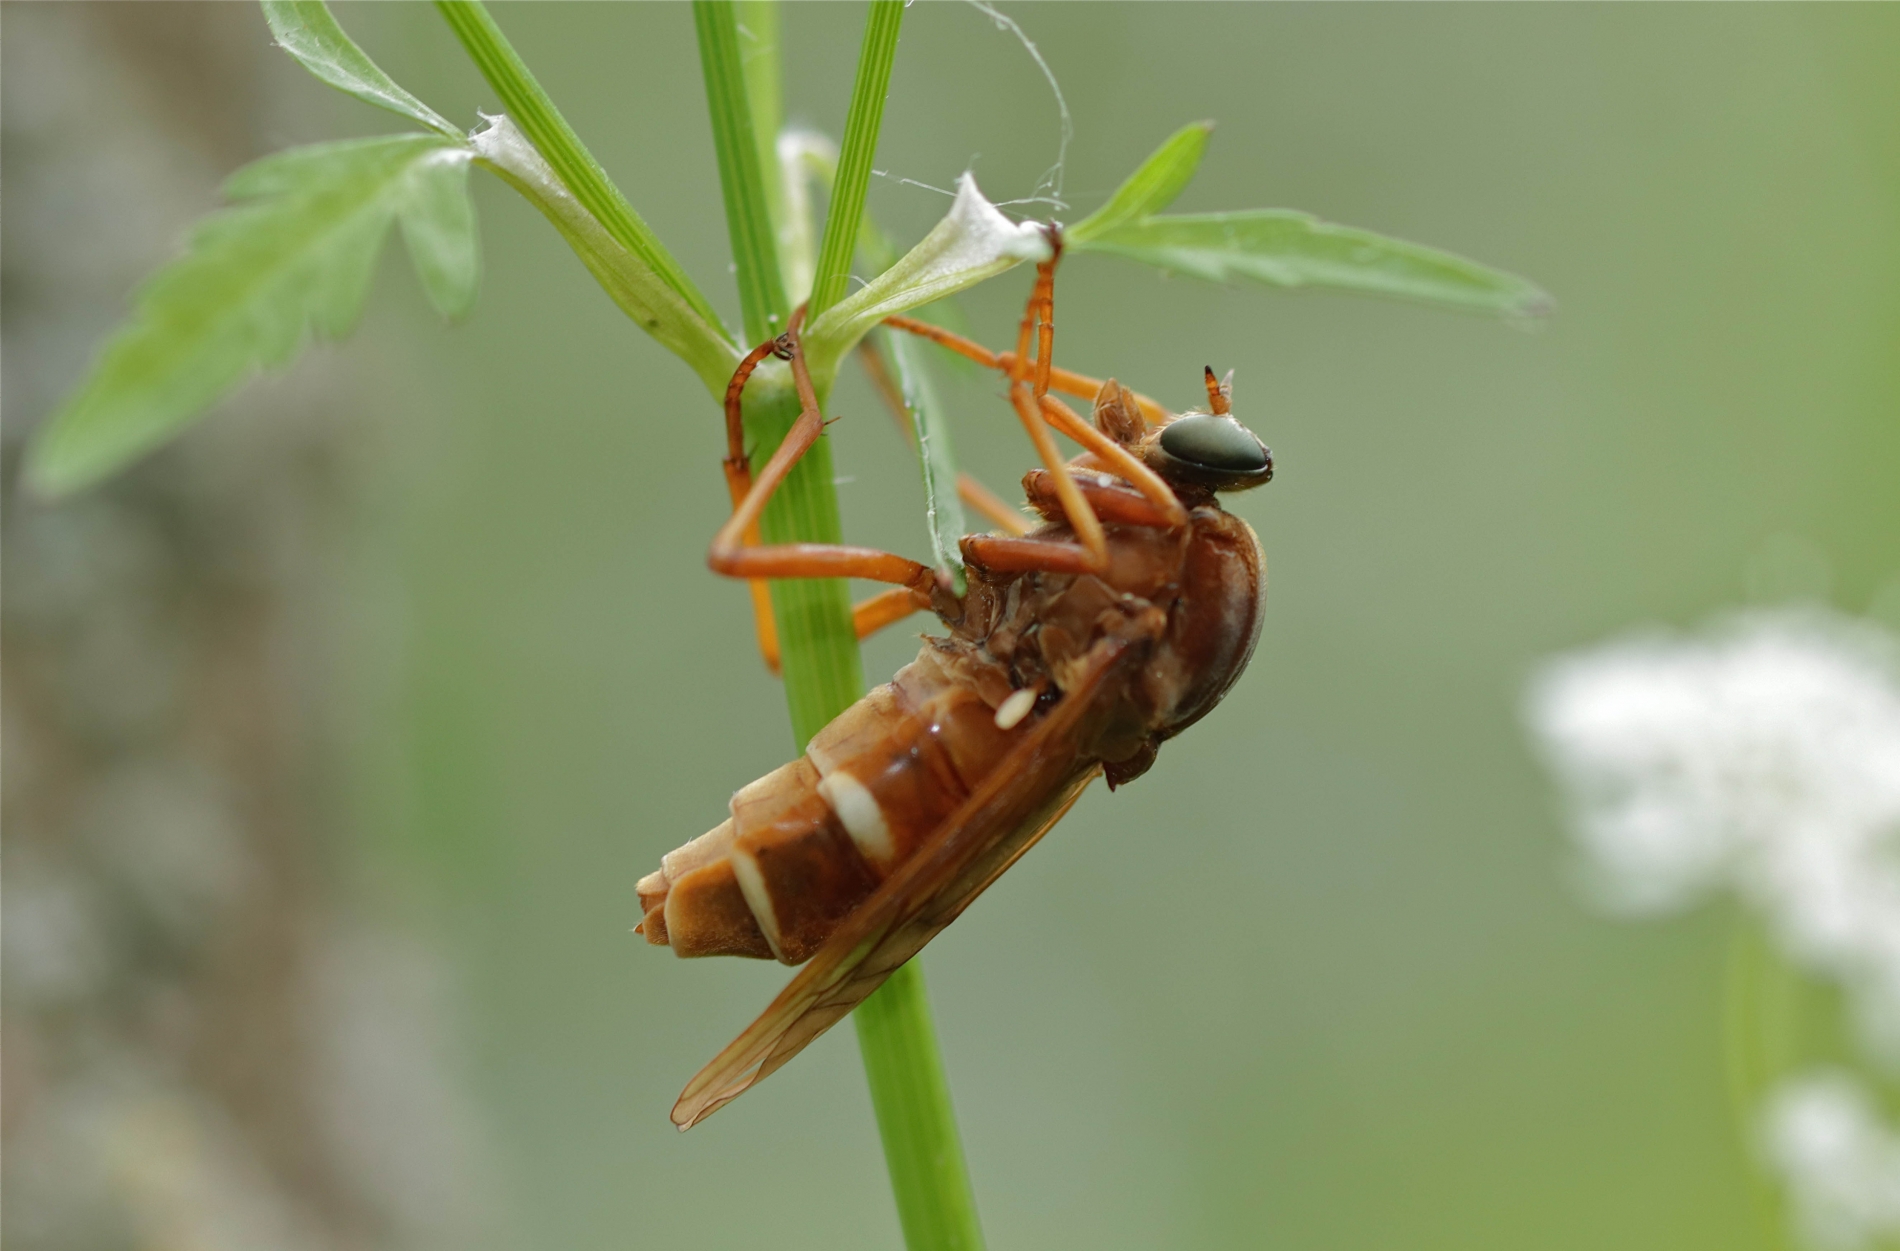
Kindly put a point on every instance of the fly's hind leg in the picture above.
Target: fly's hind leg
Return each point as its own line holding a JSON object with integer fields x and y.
{"x": 737, "y": 550}
{"x": 738, "y": 471}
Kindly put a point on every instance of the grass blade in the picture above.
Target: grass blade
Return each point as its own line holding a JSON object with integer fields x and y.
{"x": 757, "y": 22}
{"x": 930, "y": 436}
{"x": 873, "y": 83}
{"x": 742, "y": 174}
{"x": 544, "y": 126}
{"x": 255, "y": 282}
{"x": 308, "y": 31}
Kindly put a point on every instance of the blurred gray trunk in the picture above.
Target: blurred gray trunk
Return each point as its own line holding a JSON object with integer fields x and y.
{"x": 205, "y": 1046}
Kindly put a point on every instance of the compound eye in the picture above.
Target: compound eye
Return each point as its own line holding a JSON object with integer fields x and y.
{"x": 1216, "y": 443}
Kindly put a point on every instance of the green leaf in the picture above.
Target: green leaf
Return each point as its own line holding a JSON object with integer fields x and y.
{"x": 1150, "y": 188}
{"x": 973, "y": 242}
{"x": 935, "y": 456}
{"x": 295, "y": 256}
{"x": 438, "y": 226}
{"x": 307, "y": 30}
{"x": 805, "y": 158}
{"x": 1285, "y": 248}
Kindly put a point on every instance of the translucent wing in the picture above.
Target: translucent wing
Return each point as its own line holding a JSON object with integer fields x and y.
{"x": 1020, "y": 800}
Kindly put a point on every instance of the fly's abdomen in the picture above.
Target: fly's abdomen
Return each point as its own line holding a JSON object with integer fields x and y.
{"x": 807, "y": 843}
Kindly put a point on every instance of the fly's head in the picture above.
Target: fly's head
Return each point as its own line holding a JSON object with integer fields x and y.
{"x": 1208, "y": 451}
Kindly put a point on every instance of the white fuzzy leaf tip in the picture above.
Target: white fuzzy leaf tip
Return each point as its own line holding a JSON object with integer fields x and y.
{"x": 973, "y": 242}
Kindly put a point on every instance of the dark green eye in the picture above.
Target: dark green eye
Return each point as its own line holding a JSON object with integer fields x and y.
{"x": 1220, "y": 444}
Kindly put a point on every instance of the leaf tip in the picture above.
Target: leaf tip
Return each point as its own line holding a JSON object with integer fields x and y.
{"x": 983, "y": 223}
{"x": 1532, "y": 307}
{"x": 50, "y": 474}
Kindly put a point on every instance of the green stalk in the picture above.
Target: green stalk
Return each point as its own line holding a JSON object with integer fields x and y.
{"x": 758, "y": 26}
{"x": 875, "y": 58}
{"x": 742, "y": 170}
{"x": 915, "y": 1116}
{"x": 817, "y": 647}
{"x": 819, "y": 650}
{"x": 537, "y": 117}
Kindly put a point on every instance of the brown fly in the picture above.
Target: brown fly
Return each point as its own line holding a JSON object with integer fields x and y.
{"x": 1080, "y": 646}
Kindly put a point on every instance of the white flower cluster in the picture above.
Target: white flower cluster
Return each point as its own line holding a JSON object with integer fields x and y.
{"x": 1762, "y": 757}
{"x": 1842, "y": 1165}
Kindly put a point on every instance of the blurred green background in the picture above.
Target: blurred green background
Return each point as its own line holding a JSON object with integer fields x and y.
{"x": 1321, "y": 979}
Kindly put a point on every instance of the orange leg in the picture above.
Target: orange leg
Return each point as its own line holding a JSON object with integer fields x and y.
{"x": 738, "y": 469}
{"x": 1116, "y": 458}
{"x": 736, "y": 554}
{"x": 1066, "y": 381}
{"x": 1082, "y": 518}
{"x": 991, "y": 505}
{"x": 883, "y": 609}
{"x": 737, "y": 550}
{"x": 1000, "y": 554}
{"x": 1028, "y": 384}
{"x": 1112, "y": 504}
{"x": 867, "y": 617}
{"x": 969, "y": 490}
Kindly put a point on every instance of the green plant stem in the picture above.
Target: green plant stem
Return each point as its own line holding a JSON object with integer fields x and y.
{"x": 875, "y": 58}
{"x": 818, "y": 648}
{"x": 758, "y": 27}
{"x": 742, "y": 171}
{"x": 915, "y": 1117}
{"x": 537, "y": 117}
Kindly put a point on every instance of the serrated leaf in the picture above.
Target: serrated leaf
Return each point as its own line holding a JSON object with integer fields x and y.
{"x": 1150, "y": 188}
{"x": 1286, "y": 248}
{"x": 294, "y": 256}
{"x": 943, "y": 511}
{"x": 973, "y": 242}
{"x": 308, "y": 31}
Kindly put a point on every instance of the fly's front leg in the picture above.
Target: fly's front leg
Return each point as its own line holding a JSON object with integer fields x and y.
{"x": 1028, "y": 386}
{"x": 1066, "y": 381}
